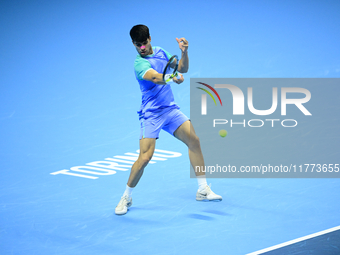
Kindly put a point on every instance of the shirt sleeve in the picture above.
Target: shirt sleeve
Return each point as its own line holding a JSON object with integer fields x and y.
{"x": 141, "y": 67}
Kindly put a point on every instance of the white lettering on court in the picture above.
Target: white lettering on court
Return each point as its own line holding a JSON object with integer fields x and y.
{"x": 110, "y": 166}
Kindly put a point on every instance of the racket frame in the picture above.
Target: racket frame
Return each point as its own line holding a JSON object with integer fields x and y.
{"x": 168, "y": 65}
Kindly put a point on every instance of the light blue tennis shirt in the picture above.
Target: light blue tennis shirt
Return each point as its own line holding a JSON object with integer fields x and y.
{"x": 155, "y": 98}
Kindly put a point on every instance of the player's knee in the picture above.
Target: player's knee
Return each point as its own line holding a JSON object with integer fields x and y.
{"x": 194, "y": 141}
{"x": 145, "y": 159}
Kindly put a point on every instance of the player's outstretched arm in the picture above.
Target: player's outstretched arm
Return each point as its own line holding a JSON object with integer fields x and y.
{"x": 183, "y": 65}
{"x": 155, "y": 77}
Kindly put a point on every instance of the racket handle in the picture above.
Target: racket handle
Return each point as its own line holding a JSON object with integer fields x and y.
{"x": 167, "y": 78}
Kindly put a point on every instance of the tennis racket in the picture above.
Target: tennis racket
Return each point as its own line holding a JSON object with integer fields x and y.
{"x": 170, "y": 70}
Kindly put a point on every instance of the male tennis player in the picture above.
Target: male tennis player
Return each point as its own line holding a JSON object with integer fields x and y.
{"x": 159, "y": 111}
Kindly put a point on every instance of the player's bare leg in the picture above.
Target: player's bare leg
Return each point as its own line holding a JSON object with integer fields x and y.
{"x": 147, "y": 148}
{"x": 186, "y": 134}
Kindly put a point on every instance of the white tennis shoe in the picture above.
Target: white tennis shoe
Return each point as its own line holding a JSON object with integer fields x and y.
{"x": 207, "y": 194}
{"x": 123, "y": 205}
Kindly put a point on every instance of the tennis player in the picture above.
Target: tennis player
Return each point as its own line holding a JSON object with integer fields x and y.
{"x": 159, "y": 111}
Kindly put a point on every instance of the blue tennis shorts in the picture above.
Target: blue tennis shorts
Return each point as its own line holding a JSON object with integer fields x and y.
{"x": 168, "y": 120}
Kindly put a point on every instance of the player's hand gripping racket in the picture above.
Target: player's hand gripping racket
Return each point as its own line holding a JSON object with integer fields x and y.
{"x": 170, "y": 70}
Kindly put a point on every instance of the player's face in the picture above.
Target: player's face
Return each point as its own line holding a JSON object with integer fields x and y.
{"x": 144, "y": 48}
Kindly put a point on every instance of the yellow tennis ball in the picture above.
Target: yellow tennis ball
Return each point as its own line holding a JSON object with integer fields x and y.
{"x": 223, "y": 133}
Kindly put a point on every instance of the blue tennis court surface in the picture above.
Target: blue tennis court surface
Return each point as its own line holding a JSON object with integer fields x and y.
{"x": 68, "y": 115}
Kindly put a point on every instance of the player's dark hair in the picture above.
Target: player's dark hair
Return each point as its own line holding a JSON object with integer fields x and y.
{"x": 139, "y": 33}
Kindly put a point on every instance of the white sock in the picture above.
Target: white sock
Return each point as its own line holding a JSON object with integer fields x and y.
{"x": 128, "y": 191}
{"x": 202, "y": 182}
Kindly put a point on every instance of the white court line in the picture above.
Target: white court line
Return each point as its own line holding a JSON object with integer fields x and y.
{"x": 295, "y": 241}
